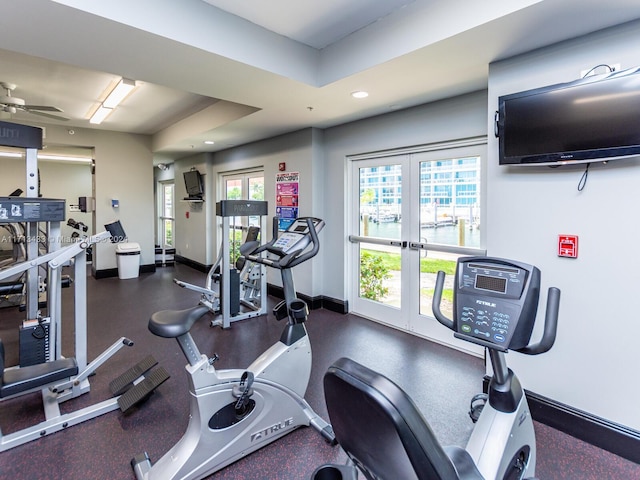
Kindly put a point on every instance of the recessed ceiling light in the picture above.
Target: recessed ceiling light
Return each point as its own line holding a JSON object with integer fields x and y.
{"x": 360, "y": 94}
{"x": 209, "y": 142}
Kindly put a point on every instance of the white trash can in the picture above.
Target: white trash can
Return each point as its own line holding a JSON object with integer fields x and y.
{"x": 128, "y": 260}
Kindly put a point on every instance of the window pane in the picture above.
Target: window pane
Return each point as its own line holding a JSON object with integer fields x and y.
{"x": 234, "y": 189}
{"x": 168, "y": 233}
{"x": 380, "y": 274}
{"x": 450, "y": 202}
{"x": 430, "y": 264}
{"x": 168, "y": 200}
{"x": 380, "y": 201}
{"x": 256, "y": 188}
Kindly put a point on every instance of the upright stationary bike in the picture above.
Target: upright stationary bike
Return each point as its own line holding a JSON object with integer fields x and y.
{"x": 235, "y": 412}
{"x": 495, "y": 305}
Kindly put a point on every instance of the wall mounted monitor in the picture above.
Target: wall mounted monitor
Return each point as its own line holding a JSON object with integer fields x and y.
{"x": 193, "y": 184}
{"x": 592, "y": 119}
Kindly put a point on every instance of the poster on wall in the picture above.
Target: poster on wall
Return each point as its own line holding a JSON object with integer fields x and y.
{"x": 287, "y": 198}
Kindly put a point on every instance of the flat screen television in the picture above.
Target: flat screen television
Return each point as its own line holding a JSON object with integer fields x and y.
{"x": 592, "y": 119}
{"x": 193, "y": 184}
{"x": 116, "y": 231}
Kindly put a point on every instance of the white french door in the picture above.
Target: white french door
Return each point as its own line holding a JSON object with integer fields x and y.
{"x": 413, "y": 214}
{"x": 246, "y": 185}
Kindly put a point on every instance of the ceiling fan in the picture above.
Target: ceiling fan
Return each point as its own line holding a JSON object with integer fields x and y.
{"x": 11, "y": 104}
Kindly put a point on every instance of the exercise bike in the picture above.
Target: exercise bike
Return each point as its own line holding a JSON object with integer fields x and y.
{"x": 495, "y": 305}
{"x": 235, "y": 412}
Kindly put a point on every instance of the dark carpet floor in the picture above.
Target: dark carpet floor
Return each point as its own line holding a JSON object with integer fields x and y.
{"x": 441, "y": 382}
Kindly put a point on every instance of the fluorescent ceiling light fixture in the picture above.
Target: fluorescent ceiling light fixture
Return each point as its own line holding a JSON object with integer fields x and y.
{"x": 121, "y": 90}
{"x": 360, "y": 94}
{"x": 45, "y": 156}
{"x": 119, "y": 93}
{"x": 209, "y": 142}
{"x": 100, "y": 114}
{"x": 65, "y": 158}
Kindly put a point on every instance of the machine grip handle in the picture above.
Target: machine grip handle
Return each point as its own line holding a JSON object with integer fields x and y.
{"x": 550, "y": 325}
{"x": 294, "y": 258}
{"x": 249, "y": 247}
{"x": 437, "y": 298}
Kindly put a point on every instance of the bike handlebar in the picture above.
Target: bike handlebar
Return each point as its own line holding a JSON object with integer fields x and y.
{"x": 291, "y": 259}
{"x": 437, "y": 298}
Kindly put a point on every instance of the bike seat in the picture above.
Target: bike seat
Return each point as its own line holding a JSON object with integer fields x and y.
{"x": 371, "y": 414}
{"x": 174, "y": 323}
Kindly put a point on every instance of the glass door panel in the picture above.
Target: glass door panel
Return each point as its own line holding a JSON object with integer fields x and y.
{"x": 377, "y": 245}
{"x": 242, "y": 186}
{"x": 415, "y": 215}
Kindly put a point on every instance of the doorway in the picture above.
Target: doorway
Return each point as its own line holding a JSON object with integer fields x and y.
{"x": 243, "y": 185}
{"x": 413, "y": 214}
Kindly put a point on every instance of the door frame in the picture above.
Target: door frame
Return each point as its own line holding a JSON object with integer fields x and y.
{"x": 410, "y": 309}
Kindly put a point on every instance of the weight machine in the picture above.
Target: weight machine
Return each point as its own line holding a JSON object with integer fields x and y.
{"x": 242, "y": 283}
{"x": 57, "y": 378}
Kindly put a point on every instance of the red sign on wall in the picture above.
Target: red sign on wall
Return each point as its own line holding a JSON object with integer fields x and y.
{"x": 568, "y": 246}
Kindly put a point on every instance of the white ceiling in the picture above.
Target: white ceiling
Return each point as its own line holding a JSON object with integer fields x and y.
{"x": 239, "y": 71}
{"x": 316, "y": 24}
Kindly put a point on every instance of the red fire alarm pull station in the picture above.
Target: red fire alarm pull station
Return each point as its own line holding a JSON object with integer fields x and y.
{"x": 568, "y": 246}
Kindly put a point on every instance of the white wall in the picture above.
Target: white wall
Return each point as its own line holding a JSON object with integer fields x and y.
{"x": 192, "y": 225}
{"x": 592, "y": 365}
{"x": 67, "y": 181}
{"x": 124, "y": 171}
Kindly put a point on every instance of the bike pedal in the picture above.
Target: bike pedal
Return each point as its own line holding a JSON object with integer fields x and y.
{"x": 125, "y": 381}
{"x": 140, "y": 391}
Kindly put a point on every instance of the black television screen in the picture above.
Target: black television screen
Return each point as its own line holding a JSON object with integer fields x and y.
{"x": 593, "y": 119}
{"x": 116, "y": 231}
{"x": 193, "y": 183}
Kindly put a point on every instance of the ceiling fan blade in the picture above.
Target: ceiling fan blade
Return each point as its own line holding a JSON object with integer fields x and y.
{"x": 48, "y": 115}
{"x": 45, "y": 108}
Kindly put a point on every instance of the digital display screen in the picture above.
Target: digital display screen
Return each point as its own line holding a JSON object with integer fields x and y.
{"x": 495, "y": 284}
{"x": 577, "y": 121}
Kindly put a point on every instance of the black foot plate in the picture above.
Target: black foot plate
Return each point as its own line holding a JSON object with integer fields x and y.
{"x": 125, "y": 381}
{"x": 142, "y": 390}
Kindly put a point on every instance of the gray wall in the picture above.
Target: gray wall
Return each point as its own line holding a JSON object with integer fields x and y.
{"x": 592, "y": 366}
{"x": 301, "y": 153}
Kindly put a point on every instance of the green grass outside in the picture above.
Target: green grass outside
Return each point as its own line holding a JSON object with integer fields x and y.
{"x": 427, "y": 265}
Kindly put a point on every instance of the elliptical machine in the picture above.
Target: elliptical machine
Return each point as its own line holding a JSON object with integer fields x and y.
{"x": 236, "y": 412}
{"x": 495, "y": 305}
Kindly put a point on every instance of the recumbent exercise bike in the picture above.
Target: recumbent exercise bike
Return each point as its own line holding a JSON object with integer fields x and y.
{"x": 384, "y": 434}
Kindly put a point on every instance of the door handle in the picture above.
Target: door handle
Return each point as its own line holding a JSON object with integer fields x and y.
{"x": 398, "y": 243}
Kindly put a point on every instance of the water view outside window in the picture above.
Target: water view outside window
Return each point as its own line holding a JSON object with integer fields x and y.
{"x": 447, "y": 213}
